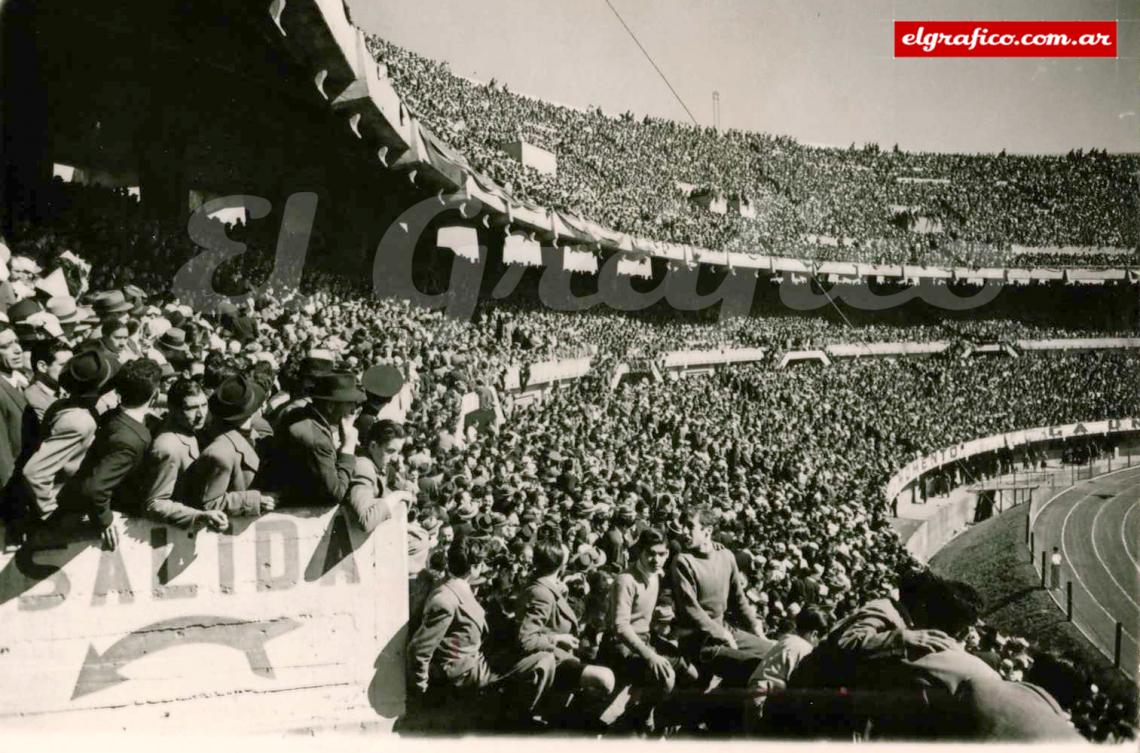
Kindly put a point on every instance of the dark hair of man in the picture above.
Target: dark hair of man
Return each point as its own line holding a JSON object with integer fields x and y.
{"x": 813, "y": 618}
{"x": 290, "y": 374}
{"x": 137, "y": 382}
{"x": 112, "y": 325}
{"x": 45, "y": 351}
{"x": 183, "y": 389}
{"x": 914, "y": 587}
{"x": 384, "y": 431}
{"x": 648, "y": 539}
{"x": 549, "y": 555}
{"x": 218, "y": 367}
{"x": 952, "y": 607}
{"x": 464, "y": 554}
{"x": 437, "y": 560}
{"x": 263, "y": 374}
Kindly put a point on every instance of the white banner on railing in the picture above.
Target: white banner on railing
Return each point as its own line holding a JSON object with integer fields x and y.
{"x": 963, "y": 450}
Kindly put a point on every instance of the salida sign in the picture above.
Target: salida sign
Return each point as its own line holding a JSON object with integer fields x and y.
{"x": 43, "y": 582}
{"x": 288, "y": 603}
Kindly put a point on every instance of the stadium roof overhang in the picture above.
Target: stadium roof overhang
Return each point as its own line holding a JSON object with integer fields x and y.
{"x": 214, "y": 73}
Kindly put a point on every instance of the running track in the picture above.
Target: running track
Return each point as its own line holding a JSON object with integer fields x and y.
{"x": 1097, "y": 525}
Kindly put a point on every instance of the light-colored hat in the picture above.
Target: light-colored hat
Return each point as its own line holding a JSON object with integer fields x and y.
{"x": 45, "y": 321}
{"x": 63, "y": 308}
{"x": 158, "y": 327}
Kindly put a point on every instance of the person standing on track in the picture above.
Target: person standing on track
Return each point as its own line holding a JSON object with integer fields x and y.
{"x": 1055, "y": 569}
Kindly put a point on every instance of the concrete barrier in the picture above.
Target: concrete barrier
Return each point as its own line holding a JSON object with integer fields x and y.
{"x": 294, "y": 621}
{"x": 941, "y": 522}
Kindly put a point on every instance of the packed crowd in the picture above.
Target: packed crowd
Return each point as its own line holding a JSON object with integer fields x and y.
{"x": 760, "y": 494}
{"x": 875, "y": 205}
{"x": 1057, "y": 260}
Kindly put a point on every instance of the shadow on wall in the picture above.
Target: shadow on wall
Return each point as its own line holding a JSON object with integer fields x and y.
{"x": 389, "y": 674}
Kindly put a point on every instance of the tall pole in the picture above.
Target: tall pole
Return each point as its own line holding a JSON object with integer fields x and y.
{"x": 716, "y": 111}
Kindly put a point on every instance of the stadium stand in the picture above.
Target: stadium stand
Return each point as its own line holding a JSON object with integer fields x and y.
{"x": 620, "y": 555}
{"x": 862, "y": 205}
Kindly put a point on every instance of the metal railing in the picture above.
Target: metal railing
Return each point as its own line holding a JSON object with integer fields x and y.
{"x": 1063, "y": 581}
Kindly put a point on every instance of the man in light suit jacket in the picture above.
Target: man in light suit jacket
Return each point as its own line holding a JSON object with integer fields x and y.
{"x": 67, "y": 430}
{"x": 175, "y": 448}
{"x": 369, "y": 499}
{"x": 447, "y": 650}
{"x": 222, "y": 477}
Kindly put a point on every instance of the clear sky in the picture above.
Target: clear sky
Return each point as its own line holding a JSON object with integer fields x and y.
{"x": 819, "y": 70}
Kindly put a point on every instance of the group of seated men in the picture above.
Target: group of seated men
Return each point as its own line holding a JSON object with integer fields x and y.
{"x": 714, "y": 665}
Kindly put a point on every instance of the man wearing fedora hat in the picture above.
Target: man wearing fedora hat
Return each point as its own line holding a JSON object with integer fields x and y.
{"x": 171, "y": 344}
{"x": 311, "y": 457}
{"x": 110, "y": 304}
{"x": 20, "y": 311}
{"x": 136, "y": 296}
{"x": 66, "y": 431}
{"x": 163, "y": 475}
{"x": 463, "y": 516}
{"x": 66, "y": 312}
{"x": 297, "y": 379}
{"x": 117, "y": 451}
{"x": 223, "y": 477}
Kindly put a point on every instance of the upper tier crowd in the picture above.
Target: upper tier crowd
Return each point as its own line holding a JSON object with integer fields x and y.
{"x": 865, "y": 205}
{"x": 665, "y": 535}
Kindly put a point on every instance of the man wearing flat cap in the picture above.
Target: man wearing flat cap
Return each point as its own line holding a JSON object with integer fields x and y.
{"x": 381, "y": 384}
{"x": 311, "y": 458}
